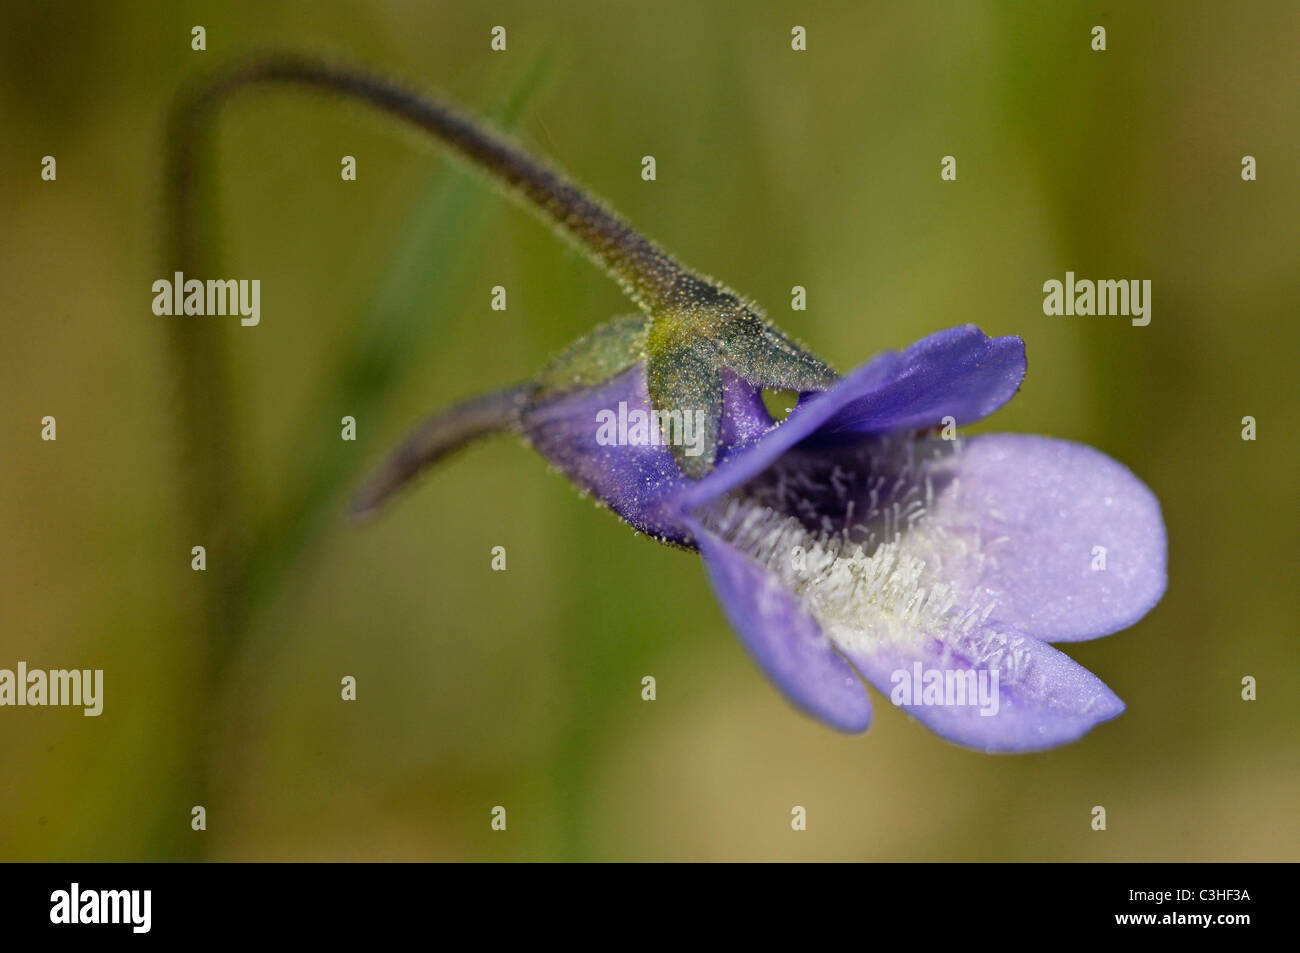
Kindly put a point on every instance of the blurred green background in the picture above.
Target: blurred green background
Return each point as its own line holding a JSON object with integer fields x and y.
{"x": 522, "y": 688}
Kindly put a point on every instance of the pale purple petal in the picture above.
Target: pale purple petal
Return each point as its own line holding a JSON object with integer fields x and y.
{"x": 1041, "y": 697}
{"x": 783, "y": 639}
{"x": 1071, "y": 543}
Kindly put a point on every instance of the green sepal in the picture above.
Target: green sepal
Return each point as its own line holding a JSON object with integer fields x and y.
{"x": 608, "y": 350}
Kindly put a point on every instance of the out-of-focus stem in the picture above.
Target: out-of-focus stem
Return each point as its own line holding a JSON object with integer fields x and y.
{"x": 440, "y": 434}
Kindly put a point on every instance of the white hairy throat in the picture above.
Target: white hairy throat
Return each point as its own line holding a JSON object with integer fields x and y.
{"x": 853, "y": 535}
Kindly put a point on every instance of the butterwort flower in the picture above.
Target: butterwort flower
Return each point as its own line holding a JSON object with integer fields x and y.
{"x": 852, "y": 535}
{"x": 857, "y": 536}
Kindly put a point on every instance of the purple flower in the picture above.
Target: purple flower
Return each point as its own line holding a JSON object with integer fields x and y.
{"x": 849, "y": 535}
{"x": 852, "y": 535}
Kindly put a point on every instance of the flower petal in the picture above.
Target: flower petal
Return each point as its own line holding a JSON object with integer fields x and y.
{"x": 1041, "y": 698}
{"x": 958, "y": 372}
{"x": 782, "y": 638}
{"x": 1071, "y": 543}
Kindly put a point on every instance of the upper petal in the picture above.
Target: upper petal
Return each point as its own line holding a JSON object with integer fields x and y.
{"x": 783, "y": 638}
{"x": 959, "y": 372}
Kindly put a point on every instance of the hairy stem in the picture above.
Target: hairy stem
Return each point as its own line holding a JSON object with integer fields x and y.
{"x": 646, "y": 272}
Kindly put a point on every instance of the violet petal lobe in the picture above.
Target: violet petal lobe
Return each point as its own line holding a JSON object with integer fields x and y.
{"x": 1072, "y": 544}
{"x": 783, "y": 639}
{"x": 959, "y": 372}
{"x": 1041, "y": 698}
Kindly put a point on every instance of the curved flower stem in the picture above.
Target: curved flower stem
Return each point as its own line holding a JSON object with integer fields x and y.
{"x": 646, "y": 272}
